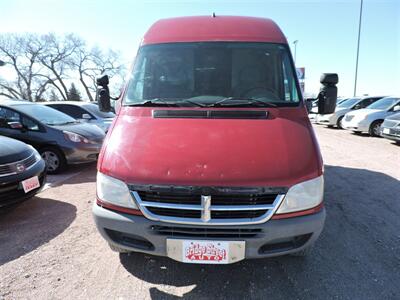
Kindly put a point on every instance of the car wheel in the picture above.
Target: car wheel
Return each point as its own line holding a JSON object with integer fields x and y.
{"x": 118, "y": 249}
{"x": 54, "y": 158}
{"x": 339, "y": 123}
{"x": 375, "y": 128}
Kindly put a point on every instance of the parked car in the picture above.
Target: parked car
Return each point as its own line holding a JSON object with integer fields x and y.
{"x": 336, "y": 118}
{"x": 59, "y": 138}
{"x": 211, "y": 156}
{"x": 369, "y": 120}
{"x": 22, "y": 171}
{"x": 313, "y": 113}
{"x": 84, "y": 111}
{"x": 390, "y": 127}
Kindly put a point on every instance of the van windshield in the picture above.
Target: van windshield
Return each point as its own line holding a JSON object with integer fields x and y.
{"x": 211, "y": 73}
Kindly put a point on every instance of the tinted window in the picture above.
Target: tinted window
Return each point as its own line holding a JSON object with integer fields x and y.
{"x": 94, "y": 109}
{"x": 8, "y": 115}
{"x": 30, "y": 124}
{"x": 71, "y": 110}
{"x": 45, "y": 114}
{"x": 187, "y": 70}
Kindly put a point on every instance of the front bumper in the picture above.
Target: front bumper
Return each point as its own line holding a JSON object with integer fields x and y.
{"x": 82, "y": 153}
{"x": 391, "y": 133}
{"x": 11, "y": 191}
{"x": 359, "y": 126}
{"x": 330, "y": 119}
{"x": 272, "y": 238}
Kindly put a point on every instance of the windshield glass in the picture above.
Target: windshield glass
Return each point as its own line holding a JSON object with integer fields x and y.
{"x": 45, "y": 114}
{"x": 348, "y": 103}
{"x": 209, "y": 72}
{"x": 384, "y": 103}
{"x": 94, "y": 109}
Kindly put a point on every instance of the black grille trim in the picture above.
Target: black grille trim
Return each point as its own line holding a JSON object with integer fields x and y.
{"x": 211, "y": 114}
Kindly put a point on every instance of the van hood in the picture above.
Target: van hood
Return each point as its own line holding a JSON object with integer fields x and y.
{"x": 279, "y": 151}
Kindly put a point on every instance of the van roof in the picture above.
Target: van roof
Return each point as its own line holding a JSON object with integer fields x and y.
{"x": 211, "y": 29}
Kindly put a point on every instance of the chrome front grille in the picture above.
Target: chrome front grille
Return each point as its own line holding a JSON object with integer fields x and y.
{"x": 215, "y": 206}
{"x": 18, "y": 166}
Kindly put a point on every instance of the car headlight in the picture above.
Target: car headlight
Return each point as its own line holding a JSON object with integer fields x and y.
{"x": 35, "y": 153}
{"x": 302, "y": 196}
{"x": 114, "y": 191}
{"x": 76, "y": 138}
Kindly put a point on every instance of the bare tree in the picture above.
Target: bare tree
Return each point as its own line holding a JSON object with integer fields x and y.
{"x": 46, "y": 64}
{"x": 22, "y": 52}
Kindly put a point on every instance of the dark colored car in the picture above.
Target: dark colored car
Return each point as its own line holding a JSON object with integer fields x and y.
{"x": 60, "y": 139}
{"x": 22, "y": 171}
{"x": 390, "y": 128}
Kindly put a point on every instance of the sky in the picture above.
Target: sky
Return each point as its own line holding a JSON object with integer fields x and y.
{"x": 326, "y": 31}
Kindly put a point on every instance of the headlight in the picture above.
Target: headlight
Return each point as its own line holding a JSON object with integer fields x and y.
{"x": 35, "y": 153}
{"x": 76, "y": 138}
{"x": 302, "y": 196}
{"x": 114, "y": 191}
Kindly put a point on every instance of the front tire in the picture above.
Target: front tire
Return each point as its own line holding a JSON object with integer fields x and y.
{"x": 375, "y": 128}
{"x": 339, "y": 122}
{"x": 54, "y": 158}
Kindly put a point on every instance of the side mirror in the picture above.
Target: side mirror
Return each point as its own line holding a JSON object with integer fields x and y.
{"x": 309, "y": 104}
{"x": 357, "y": 106}
{"x": 328, "y": 93}
{"x": 396, "y": 108}
{"x": 86, "y": 116}
{"x": 15, "y": 125}
{"x": 103, "y": 93}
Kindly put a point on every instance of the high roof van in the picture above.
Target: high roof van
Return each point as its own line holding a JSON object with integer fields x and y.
{"x": 211, "y": 157}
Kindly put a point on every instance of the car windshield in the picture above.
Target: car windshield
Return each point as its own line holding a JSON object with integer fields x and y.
{"x": 94, "y": 109}
{"x": 384, "y": 103}
{"x": 45, "y": 114}
{"x": 348, "y": 103}
{"x": 213, "y": 73}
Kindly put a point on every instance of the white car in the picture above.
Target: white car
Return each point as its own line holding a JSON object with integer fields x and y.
{"x": 342, "y": 108}
{"x": 369, "y": 120}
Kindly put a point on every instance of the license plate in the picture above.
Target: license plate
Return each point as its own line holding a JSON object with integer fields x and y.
{"x": 386, "y": 130}
{"x": 205, "y": 251}
{"x": 30, "y": 184}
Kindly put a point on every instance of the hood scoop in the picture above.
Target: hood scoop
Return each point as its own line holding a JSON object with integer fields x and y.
{"x": 210, "y": 114}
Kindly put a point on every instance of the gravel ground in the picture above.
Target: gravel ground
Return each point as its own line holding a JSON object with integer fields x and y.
{"x": 50, "y": 249}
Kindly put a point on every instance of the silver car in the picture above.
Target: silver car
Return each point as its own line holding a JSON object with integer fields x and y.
{"x": 342, "y": 108}
{"x": 84, "y": 112}
{"x": 369, "y": 120}
{"x": 390, "y": 127}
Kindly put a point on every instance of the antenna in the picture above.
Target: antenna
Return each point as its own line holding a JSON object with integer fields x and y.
{"x": 213, "y": 14}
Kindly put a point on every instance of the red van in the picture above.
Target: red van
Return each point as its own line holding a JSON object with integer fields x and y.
{"x": 212, "y": 158}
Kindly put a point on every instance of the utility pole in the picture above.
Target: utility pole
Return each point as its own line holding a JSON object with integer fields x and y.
{"x": 358, "y": 49}
{"x": 295, "y": 50}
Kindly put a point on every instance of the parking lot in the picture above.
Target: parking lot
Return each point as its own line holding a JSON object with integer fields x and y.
{"x": 50, "y": 248}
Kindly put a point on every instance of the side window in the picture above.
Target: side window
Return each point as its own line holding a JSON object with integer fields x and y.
{"x": 74, "y": 111}
{"x": 8, "y": 115}
{"x": 365, "y": 103}
{"x": 30, "y": 124}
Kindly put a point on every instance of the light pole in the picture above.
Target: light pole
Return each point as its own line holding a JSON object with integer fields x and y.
{"x": 295, "y": 50}
{"x": 358, "y": 49}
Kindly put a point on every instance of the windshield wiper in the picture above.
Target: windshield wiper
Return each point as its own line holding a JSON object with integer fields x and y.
{"x": 246, "y": 101}
{"x": 162, "y": 102}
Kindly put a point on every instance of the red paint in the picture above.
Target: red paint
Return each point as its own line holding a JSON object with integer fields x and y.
{"x": 299, "y": 213}
{"x": 220, "y": 28}
{"x": 119, "y": 208}
{"x": 279, "y": 151}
